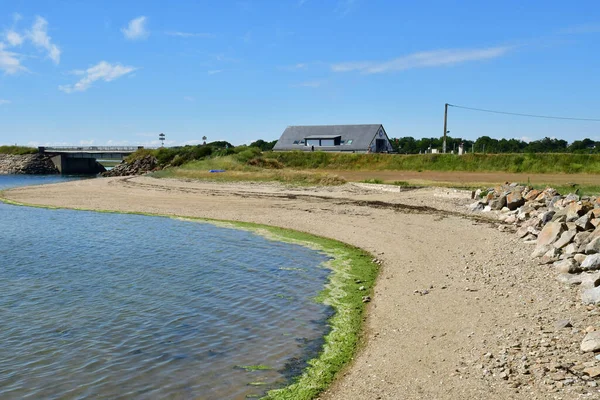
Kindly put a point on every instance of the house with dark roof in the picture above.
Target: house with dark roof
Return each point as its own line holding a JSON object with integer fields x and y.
{"x": 347, "y": 138}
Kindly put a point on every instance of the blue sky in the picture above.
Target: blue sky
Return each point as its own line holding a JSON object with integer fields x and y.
{"x": 120, "y": 72}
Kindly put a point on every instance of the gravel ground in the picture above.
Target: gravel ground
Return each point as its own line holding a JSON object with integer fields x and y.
{"x": 460, "y": 310}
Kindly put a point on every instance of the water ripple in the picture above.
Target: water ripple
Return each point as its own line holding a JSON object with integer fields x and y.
{"x": 124, "y": 306}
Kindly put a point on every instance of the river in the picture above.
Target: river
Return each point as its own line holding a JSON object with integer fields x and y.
{"x": 117, "y": 306}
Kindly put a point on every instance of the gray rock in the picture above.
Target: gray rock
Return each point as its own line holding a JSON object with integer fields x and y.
{"x": 570, "y": 279}
{"x": 476, "y": 207}
{"x": 565, "y": 239}
{"x": 569, "y": 266}
{"x": 546, "y": 216}
{"x": 579, "y": 257}
{"x": 562, "y": 324}
{"x": 541, "y": 250}
{"x": 550, "y": 256}
{"x": 581, "y": 237}
{"x": 593, "y": 246}
{"x": 570, "y": 249}
{"x": 591, "y": 342}
{"x": 498, "y": 203}
{"x": 551, "y": 233}
{"x": 591, "y": 262}
{"x": 583, "y": 223}
{"x": 590, "y": 296}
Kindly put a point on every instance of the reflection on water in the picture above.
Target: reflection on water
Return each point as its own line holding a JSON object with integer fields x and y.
{"x": 124, "y": 306}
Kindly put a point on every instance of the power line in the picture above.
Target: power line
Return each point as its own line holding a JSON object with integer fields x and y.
{"x": 525, "y": 115}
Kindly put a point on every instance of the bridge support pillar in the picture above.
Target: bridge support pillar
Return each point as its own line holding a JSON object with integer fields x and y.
{"x": 67, "y": 165}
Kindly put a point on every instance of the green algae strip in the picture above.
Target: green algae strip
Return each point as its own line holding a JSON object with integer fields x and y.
{"x": 349, "y": 265}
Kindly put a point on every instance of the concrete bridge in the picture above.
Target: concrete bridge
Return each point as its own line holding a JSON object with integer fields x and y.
{"x": 83, "y": 160}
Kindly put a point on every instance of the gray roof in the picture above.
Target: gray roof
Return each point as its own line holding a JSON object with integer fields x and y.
{"x": 361, "y": 136}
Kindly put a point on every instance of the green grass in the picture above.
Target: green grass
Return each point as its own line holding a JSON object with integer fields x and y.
{"x": 514, "y": 163}
{"x": 373, "y": 180}
{"x": 17, "y": 150}
{"x": 349, "y": 265}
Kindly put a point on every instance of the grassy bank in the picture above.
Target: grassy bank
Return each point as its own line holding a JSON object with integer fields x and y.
{"x": 539, "y": 163}
{"x": 17, "y": 150}
{"x": 351, "y": 268}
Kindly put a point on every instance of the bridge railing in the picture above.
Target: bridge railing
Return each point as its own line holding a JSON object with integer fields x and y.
{"x": 51, "y": 149}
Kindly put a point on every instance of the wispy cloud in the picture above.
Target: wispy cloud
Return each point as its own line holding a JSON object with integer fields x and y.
{"x": 17, "y": 17}
{"x": 13, "y": 38}
{"x": 295, "y": 67}
{"x": 344, "y": 7}
{"x": 136, "y": 29}
{"x": 581, "y": 29}
{"x": 102, "y": 71}
{"x": 309, "y": 84}
{"x": 190, "y": 34}
{"x": 4, "y": 101}
{"x": 425, "y": 59}
{"x": 214, "y": 71}
{"x": 39, "y": 37}
{"x": 10, "y": 62}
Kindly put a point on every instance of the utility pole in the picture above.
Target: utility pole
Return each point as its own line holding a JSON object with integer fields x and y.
{"x": 445, "y": 126}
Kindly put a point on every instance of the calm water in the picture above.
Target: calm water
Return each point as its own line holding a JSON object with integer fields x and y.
{"x": 123, "y": 306}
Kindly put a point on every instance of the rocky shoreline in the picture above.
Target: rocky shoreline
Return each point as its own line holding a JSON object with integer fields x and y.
{"x": 565, "y": 233}
{"x": 30, "y": 164}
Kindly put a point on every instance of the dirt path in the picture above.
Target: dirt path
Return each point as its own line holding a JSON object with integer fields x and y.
{"x": 453, "y": 298}
{"x": 472, "y": 178}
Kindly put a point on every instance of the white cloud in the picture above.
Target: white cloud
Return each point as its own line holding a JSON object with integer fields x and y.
{"x": 17, "y": 17}
{"x": 436, "y": 58}
{"x": 13, "y": 38}
{"x": 525, "y": 139}
{"x": 190, "y": 34}
{"x": 309, "y": 84}
{"x": 9, "y": 61}
{"x": 214, "y": 71}
{"x": 39, "y": 37}
{"x": 3, "y": 102}
{"x": 102, "y": 71}
{"x": 136, "y": 29}
{"x": 295, "y": 67}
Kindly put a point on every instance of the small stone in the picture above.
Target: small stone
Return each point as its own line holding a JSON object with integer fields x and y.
{"x": 592, "y": 371}
{"x": 591, "y": 342}
{"x": 366, "y": 299}
{"x": 593, "y": 246}
{"x": 362, "y": 288}
{"x": 562, "y": 324}
{"x": 591, "y": 262}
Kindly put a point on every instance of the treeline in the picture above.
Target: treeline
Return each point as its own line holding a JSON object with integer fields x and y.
{"x": 486, "y": 144}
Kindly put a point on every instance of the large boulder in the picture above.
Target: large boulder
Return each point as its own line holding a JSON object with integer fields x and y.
{"x": 565, "y": 238}
{"x": 569, "y": 266}
{"x": 551, "y": 233}
{"x": 514, "y": 200}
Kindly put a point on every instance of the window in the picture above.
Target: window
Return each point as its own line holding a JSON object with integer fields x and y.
{"x": 349, "y": 141}
{"x": 312, "y": 142}
{"x": 327, "y": 142}
{"x": 302, "y": 142}
{"x": 296, "y": 141}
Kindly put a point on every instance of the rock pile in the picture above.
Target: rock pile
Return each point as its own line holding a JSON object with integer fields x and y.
{"x": 31, "y": 164}
{"x": 137, "y": 167}
{"x": 565, "y": 230}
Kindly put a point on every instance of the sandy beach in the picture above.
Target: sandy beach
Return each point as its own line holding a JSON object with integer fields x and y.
{"x": 454, "y": 293}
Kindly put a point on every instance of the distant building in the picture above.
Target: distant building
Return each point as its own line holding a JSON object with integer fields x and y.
{"x": 340, "y": 138}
